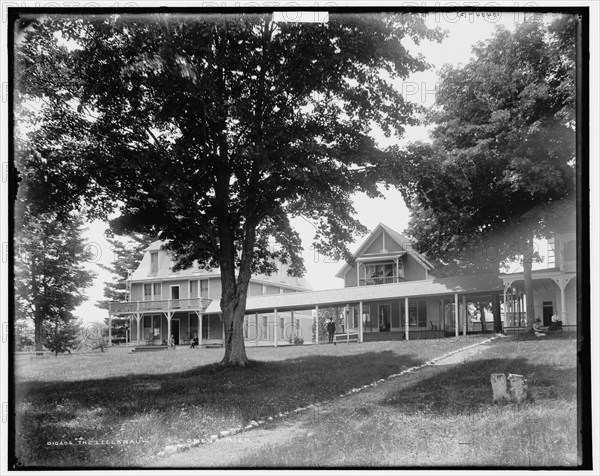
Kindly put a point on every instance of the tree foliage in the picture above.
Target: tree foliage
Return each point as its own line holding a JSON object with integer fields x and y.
{"x": 50, "y": 273}
{"x": 503, "y": 150}
{"x": 61, "y": 336}
{"x": 211, "y": 132}
{"x": 127, "y": 254}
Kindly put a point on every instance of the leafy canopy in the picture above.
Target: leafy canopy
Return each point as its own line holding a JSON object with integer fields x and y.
{"x": 503, "y": 147}
{"x": 195, "y": 124}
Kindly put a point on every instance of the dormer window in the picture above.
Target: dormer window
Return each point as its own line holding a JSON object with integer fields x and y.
{"x": 154, "y": 262}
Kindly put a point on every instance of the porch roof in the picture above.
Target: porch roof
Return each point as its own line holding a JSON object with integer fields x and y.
{"x": 332, "y": 297}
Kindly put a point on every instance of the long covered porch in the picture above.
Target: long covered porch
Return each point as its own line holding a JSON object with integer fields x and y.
{"x": 155, "y": 328}
{"x": 430, "y": 308}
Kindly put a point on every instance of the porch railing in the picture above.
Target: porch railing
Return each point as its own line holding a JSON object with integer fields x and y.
{"x": 161, "y": 305}
{"x": 379, "y": 280}
{"x": 570, "y": 266}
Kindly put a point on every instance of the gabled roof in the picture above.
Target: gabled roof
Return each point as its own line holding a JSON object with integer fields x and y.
{"x": 399, "y": 238}
{"x": 166, "y": 273}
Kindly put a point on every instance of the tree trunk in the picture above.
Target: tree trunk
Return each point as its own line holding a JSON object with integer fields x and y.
{"x": 528, "y": 280}
{"x": 482, "y": 312}
{"x": 233, "y": 306}
{"x": 497, "y": 313}
{"x": 38, "y": 323}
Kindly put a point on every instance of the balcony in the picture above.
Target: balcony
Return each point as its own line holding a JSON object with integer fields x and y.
{"x": 196, "y": 304}
{"x": 381, "y": 280}
{"x": 570, "y": 266}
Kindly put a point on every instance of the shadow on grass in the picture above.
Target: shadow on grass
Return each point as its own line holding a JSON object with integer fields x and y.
{"x": 168, "y": 409}
{"x": 444, "y": 416}
{"x": 466, "y": 388}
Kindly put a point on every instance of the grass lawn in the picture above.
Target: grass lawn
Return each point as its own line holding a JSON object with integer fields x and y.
{"x": 71, "y": 410}
{"x": 445, "y": 417}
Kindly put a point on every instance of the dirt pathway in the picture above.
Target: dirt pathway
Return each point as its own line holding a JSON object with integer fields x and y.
{"x": 226, "y": 452}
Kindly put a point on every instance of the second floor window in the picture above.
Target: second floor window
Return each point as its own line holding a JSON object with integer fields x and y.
{"x": 152, "y": 291}
{"x": 153, "y": 263}
{"x": 204, "y": 288}
{"x": 380, "y": 273}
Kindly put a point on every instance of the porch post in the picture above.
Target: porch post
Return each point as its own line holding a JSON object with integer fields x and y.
{"x": 444, "y": 314}
{"x": 169, "y": 316}
{"x": 276, "y": 328}
{"x": 515, "y": 305}
{"x": 316, "y": 324}
{"x": 138, "y": 317}
{"x": 406, "y": 326}
{"x": 109, "y": 329}
{"x": 504, "y": 305}
{"x": 464, "y": 302}
{"x": 357, "y": 273}
{"x": 200, "y": 319}
{"x": 518, "y": 308}
{"x": 292, "y": 315}
{"x": 360, "y": 321}
{"x": 256, "y": 322}
{"x": 456, "y": 311}
{"x": 562, "y": 300}
{"x": 346, "y": 315}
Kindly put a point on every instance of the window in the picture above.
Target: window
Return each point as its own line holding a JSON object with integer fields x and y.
{"x": 153, "y": 262}
{"x": 264, "y": 290}
{"x": 147, "y": 292}
{"x": 380, "y": 273}
{"x": 204, "y": 288}
{"x": 156, "y": 290}
{"x": 281, "y": 327}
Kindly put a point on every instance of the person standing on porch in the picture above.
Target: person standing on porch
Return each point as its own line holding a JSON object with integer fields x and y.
{"x": 331, "y": 329}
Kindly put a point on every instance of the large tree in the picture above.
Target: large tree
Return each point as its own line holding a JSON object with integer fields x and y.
{"x": 127, "y": 252}
{"x": 211, "y": 132}
{"x": 50, "y": 273}
{"x": 503, "y": 151}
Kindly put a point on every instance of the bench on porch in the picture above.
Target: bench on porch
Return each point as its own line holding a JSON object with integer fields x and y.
{"x": 346, "y": 337}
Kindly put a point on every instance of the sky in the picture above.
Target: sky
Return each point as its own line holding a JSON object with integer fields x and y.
{"x": 463, "y": 32}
